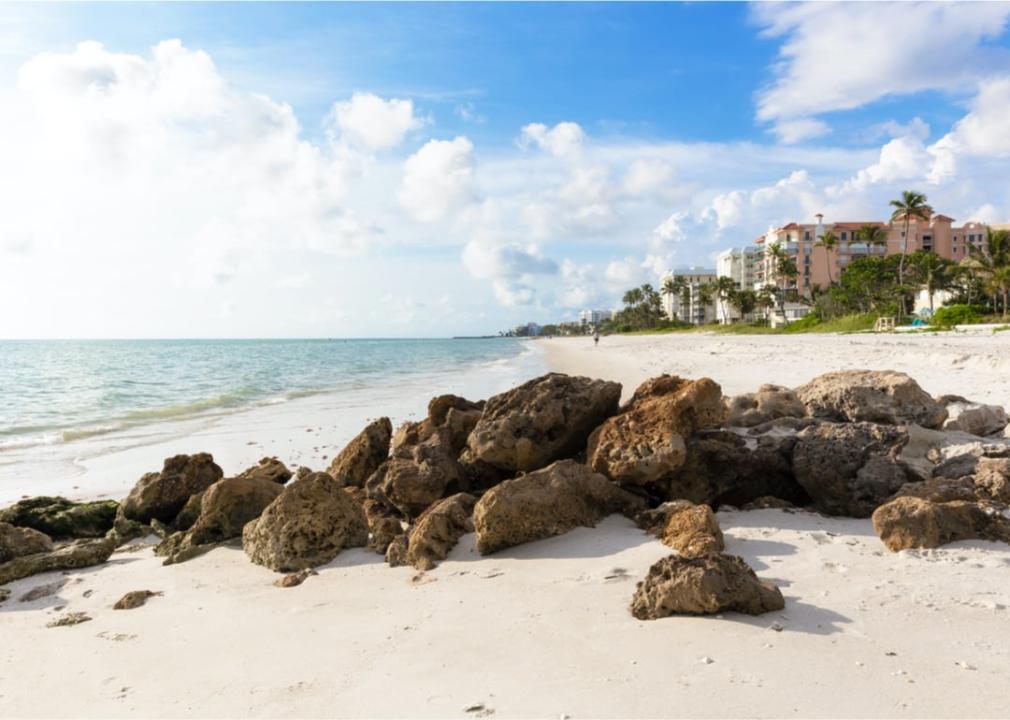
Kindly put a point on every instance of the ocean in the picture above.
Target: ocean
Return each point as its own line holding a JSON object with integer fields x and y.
{"x": 69, "y": 406}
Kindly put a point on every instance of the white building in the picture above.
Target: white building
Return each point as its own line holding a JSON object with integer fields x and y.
{"x": 740, "y": 265}
{"x": 688, "y": 304}
{"x": 594, "y": 317}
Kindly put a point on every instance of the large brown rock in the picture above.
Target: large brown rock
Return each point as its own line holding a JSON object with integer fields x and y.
{"x": 364, "y": 454}
{"x": 703, "y": 585}
{"x": 456, "y": 416}
{"x": 849, "y": 468}
{"x": 73, "y": 555}
{"x": 231, "y": 503}
{"x": 438, "y": 530}
{"x": 417, "y": 475}
{"x": 723, "y": 468}
{"x": 690, "y": 529}
{"x": 770, "y": 402}
{"x": 268, "y": 468}
{"x": 913, "y": 522}
{"x": 545, "y": 503}
{"x": 992, "y": 479}
{"x": 645, "y": 443}
{"x": 972, "y": 417}
{"x": 60, "y": 518}
{"x": 162, "y": 495}
{"x": 18, "y": 541}
{"x": 543, "y": 420}
{"x": 308, "y": 524}
{"x": 879, "y": 396}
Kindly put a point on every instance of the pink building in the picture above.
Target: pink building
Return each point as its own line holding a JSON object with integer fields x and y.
{"x": 818, "y": 266}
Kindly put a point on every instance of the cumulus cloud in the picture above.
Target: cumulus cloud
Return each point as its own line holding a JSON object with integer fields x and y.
{"x": 888, "y": 49}
{"x": 564, "y": 139}
{"x": 984, "y": 131}
{"x": 646, "y": 175}
{"x": 373, "y": 123}
{"x": 438, "y": 179}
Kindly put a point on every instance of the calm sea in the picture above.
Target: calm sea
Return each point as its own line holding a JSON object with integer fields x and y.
{"x": 62, "y": 391}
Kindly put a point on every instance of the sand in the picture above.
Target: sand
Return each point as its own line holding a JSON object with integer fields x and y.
{"x": 543, "y": 630}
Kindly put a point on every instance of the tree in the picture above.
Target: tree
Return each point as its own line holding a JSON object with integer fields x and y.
{"x": 724, "y": 289}
{"x": 828, "y": 241}
{"x": 706, "y": 291}
{"x": 674, "y": 286}
{"x": 999, "y": 283}
{"x": 872, "y": 235}
{"x": 745, "y": 301}
{"x": 933, "y": 272}
{"x": 910, "y": 205}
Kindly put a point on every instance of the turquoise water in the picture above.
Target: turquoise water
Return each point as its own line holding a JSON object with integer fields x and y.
{"x": 60, "y": 391}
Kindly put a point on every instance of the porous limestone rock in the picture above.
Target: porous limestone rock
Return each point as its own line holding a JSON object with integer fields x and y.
{"x": 162, "y": 495}
{"x": 723, "y": 468}
{"x": 134, "y": 599}
{"x": 438, "y": 529}
{"x": 364, "y": 454}
{"x": 913, "y": 522}
{"x": 62, "y": 519}
{"x": 645, "y": 443}
{"x": 545, "y": 503}
{"x": 972, "y": 417}
{"x": 689, "y": 529}
{"x": 543, "y": 420}
{"x": 770, "y": 402}
{"x": 72, "y": 555}
{"x": 849, "y": 468}
{"x": 879, "y": 396}
{"x": 417, "y": 475}
{"x": 231, "y": 503}
{"x": 268, "y": 468}
{"x": 16, "y": 542}
{"x": 704, "y": 585}
{"x": 307, "y": 525}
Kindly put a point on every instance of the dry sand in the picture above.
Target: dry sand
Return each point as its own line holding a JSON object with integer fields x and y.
{"x": 543, "y": 630}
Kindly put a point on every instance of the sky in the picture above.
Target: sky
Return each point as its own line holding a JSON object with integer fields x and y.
{"x": 414, "y": 170}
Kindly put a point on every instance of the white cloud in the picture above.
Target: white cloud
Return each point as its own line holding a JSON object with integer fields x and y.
{"x": 800, "y": 129}
{"x": 369, "y": 121}
{"x": 984, "y": 131}
{"x": 646, "y": 175}
{"x": 564, "y": 139}
{"x": 903, "y": 158}
{"x": 438, "y": 179}
{"x": 840, "y": 56}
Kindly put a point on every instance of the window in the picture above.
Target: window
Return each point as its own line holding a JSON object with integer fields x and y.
{"x": 845, "y": 235}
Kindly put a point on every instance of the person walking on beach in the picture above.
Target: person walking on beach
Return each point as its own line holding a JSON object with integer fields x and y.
{"x": 596, "y": 338}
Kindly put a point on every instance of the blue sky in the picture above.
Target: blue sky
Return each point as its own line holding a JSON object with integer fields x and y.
{"x": 432, "y": 169}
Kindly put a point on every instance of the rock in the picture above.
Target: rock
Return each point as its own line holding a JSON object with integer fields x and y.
{"x": 190, "y": 512}
{"x": 4, "y": 594}
{"x": 162, "y": 495}
{"x": 457, "y": 416}
{"x": 17, "y": 542}
{"x": 546, "y": 503}
{"x": 396, "y": 553}
{"x": 644, "y": 444}
{"x": 438, "y": 530}
{"x": 543, "y": 420}
{"x": 919, "y": 449}
{"x": 940, "y": 489}
{"x": 62, "y": 519}
{"x": 382, "y": 531}
{"x": 884, "y": 396}
{"x": 294, "y": 579}
{"x": 268, "y": 468}
{"x": 912, "y": 522}
{"x": 703, "y": 585}
{"x": 180, "y": 547}
{"x": 134, "y": 599}
{"x": 308, "y": 524}
{"x": 74, "y": 618}
{"x": 689, "y": 529}
{"x": 364, "y": 454}
{"x": 40, "y": 591}
{"x": 972, "y": 417}
{"x": 767, "y": 502}
{"x": 723, "y": 468}
{"x": 73, "y": 555}
{"x": 123, "y": 530}
{"x": 992, "y": 479}
{"x": 770, "y": 402}
{"x": 417, "y": 475}
{"x": 850, "y": 468}
{"x": 957, "y": 466}
{"x": 231, "y": 503}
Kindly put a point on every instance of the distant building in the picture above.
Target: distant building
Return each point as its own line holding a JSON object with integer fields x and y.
{"x": 740, "y": 265}
{"x": 594, "y": 317}
{"x": 690, "y": 305}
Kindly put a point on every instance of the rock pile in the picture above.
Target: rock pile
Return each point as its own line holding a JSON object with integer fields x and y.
{"x": 557, "y": 453}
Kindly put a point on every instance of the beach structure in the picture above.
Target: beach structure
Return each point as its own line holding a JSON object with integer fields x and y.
{"x": 738, "y": 264}
{"x": 818, "y": 265}
{"x": 694, "y": 302}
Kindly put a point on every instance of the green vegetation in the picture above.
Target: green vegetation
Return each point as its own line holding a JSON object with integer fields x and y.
{"x": 948, "y": 317}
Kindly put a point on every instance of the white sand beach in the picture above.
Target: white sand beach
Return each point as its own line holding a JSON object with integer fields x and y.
{"x": 543, "y": 629}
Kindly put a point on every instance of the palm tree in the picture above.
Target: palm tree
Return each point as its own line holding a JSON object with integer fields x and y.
{"x": 785, "y": 268}
{"x": 705, "y": 293}
{"x": 673, "y": 286}
{"x": 999, "y": 283}
{"x": 872, "y": 235}
{"x": 934, "y": 272}
{"x": 744, "y": 301}
{"x": 994, "y": 258}
{"x": 724, "y": 289}
{"x": 911, "y": 205}
{"x": 828, "y": 241}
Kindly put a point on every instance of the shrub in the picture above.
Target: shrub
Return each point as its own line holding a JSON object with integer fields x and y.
{"x": 951, "y": 315}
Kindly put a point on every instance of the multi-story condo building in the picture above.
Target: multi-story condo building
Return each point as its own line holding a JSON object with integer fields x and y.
{"x": 818, "y": 266}
{"x": 592, "y": 318}
{"x": 691, "y": 305}
{"x": 740, "y": 265}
